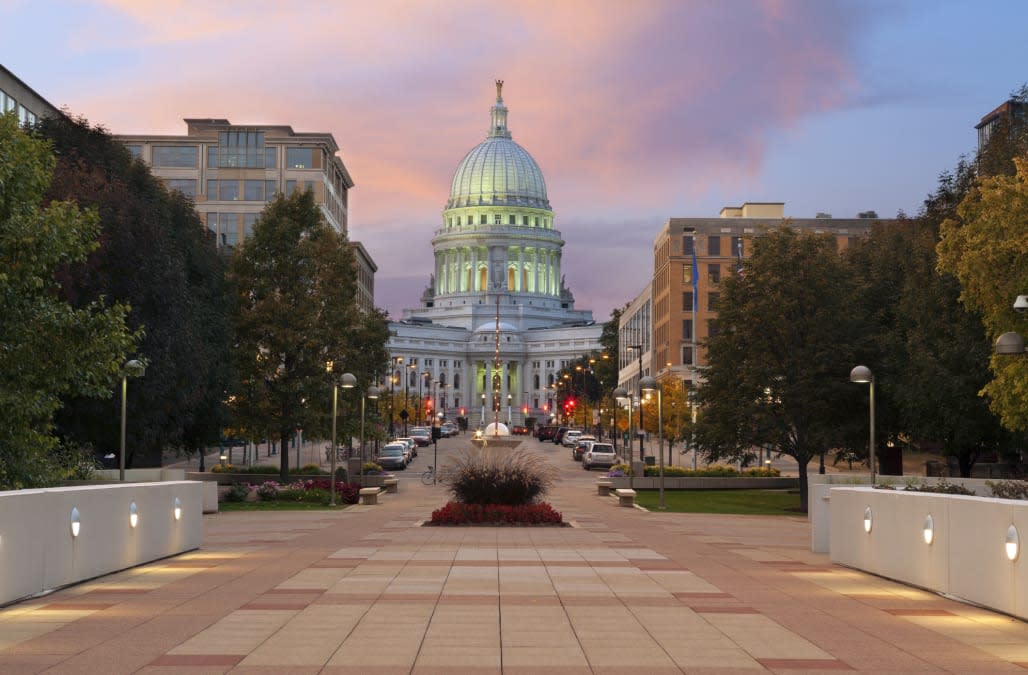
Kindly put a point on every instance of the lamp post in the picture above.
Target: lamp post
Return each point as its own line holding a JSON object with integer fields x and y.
{"x": 649, "y": 385}
{"x": 372, "y": 393}
{"x": 638, "y": 350}
{"x": 131, "y": 368}
{"x": 508, "y": 410}
{"x": 394, "y": 374}
{"x": 482, "y": 425}
{"x": 621, "y": 394}
{"x": 347, "y": 381}
{"x": 863, "y": 374}
{"x": 406, "y": 382}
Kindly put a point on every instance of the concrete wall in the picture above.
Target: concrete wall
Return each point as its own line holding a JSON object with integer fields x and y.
{"x": 967, "y": 557}
{"x": 39, "y": 553}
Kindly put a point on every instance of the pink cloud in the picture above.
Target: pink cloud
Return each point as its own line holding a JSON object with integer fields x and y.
{"x": 630, "y": 108}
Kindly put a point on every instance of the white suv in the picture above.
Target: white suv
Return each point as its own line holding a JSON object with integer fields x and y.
{"x": 599, "y": 454}
{"x": 570, "y": 439}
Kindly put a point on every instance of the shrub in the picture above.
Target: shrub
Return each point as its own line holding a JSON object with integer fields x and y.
{"x": 499, "y": 476}
{"x": 712, "y": 471}
{"x": 1008, "y": 489}
{"x": 312, "y": 490}
{"x": 942, "y": 487}
{"x": 619, "y": 471}
{"x": 460, "y": 513}
{"x": 223, "y": 468}
{"x": 371, "y": 469}
{"x": 237, "y": 492}
{"x": 257, "y": 468}
{"x": 268, "y": 490}
{"x": 311, "y": 470}
{"x": 298, "y": 493}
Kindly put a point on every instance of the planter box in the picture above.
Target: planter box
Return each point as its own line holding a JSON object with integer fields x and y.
{"x": 683, "y": 483}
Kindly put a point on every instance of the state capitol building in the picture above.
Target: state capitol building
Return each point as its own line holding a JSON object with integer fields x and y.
{"x": 497, "y": 295}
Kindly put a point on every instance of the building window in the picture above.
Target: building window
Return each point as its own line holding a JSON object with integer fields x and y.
{"x": 239, "y": 149}
{"x": 686, "y": 355}
{"x": 536, "y": 381}
{"x": 738, "y": 247}
{"x": 174, "y": 156}
{"x": 135, "y": 150}
{"x": 686, "y": 301}
{"x": 254, "y": 190}
{"x": 483, "y": 220}
{"x": 223, "y": 190}
{"x": 300, "y": 158}
{"x": 714, "y": 273}
{"x": 456, "y": 380}
{"x": 497, "y": 219}
{"x": 713, "y": 245}
{"x": 270, "y": 158}
{"x": 512, "y": 220}
{"x": 686, "y": 329}
{"x": 712, "y": 328}
{"x": 712, "y": 301}
{"x": 524, "y": 220}
{"x": 270, "y": 190}
{"x": 187, "y": 186}
{"x": 537, "y": 221}
{"x": 687, "y": 244}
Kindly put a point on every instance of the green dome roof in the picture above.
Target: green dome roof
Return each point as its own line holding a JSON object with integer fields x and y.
{"x": 498, "y": 171}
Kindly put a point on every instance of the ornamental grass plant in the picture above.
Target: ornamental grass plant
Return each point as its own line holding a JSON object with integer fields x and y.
{"x": 500, "y": 476}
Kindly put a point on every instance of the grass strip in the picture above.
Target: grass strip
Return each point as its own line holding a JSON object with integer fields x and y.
{"x": 277, "y": 506}
{"x": 736, "y": 502}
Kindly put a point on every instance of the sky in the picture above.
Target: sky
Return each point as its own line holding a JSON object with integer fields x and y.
{"x": 635, "y": 110}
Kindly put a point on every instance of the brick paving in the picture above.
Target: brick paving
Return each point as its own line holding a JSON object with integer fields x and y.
{"x": 368, "y": 590}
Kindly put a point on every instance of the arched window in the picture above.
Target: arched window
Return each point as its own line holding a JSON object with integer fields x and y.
{"x": 536, "y": 383}
{"x": 549, "y": 380}
{"x": 442, "y": 379}
{"x": 456, "y": 380}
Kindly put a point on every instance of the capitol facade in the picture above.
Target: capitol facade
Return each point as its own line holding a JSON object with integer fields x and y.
{"x": 496, "y": 322}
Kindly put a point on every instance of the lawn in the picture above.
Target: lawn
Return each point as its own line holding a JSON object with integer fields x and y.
{"x": 276, "y": 506}
{"x": 739, "y": 502}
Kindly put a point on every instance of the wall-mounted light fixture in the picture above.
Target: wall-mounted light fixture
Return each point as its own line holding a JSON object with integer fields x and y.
{"x": 867, "y": 519}
{"x": 133, "y": 515}
{"x": 76, "y": 522}
{"x": 176, "y": 509}
{"x": 929, "y": 529}
{"x": 1013, "y": 543}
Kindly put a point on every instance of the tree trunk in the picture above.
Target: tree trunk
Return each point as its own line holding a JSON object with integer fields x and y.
{"x": 284, "y": 455}
{"x": 802, "y": 463}
{"x": 966, "y": 461}
{"x": 821, "y": 464}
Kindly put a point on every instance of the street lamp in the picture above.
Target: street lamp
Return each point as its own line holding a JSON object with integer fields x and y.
{"x": 372, "y": 393}
{"x": 621, "y": 394}
{"x": 862, "y": 374}
{"x": 131, "y": 368}
{"x": 508, "y": 410}
{"x": 648, "y": 385}
{"x": 639, "y": 350}
{"x": 347, "y": 381}
{"x": 482, "y": 424}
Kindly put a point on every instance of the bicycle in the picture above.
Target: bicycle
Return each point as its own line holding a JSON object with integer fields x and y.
{"x": 430, "y": 477}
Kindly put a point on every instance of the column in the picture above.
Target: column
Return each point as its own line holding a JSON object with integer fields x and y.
{"x": 474, "y": 269}
{"x": 459, "y": 287}
{"x": 521, "y": 269}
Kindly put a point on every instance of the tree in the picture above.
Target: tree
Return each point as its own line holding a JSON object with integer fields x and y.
{"x": 777, "y": 366}
{"x": 984, "y": 246}
{"x": 156, "y": 256}
{"x": 296, "y": 311}
{"x": 48, "y": 348}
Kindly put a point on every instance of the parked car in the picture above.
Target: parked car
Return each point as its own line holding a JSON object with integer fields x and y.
{"x": 558, "y": 437}
{"x": 421, "y": 435}
{"x": 392, "y": 456}
{"x": 599, "y": 454}
{"x": 520, "y": 430}
{"x": 581, "y": 446}
{"x": 570, "y": 438}
{"x": 546, "y": 432}
{"x": 449, "y": 429}
{"x": 412, "y": 447}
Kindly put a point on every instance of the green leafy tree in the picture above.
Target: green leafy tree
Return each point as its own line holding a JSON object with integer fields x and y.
{"x": 156, "y": 256}
{"x": 984, "y": 246}
{"x": 778, "y": 363}
{"x": 48, "y": 348}
{"x": 296, "y": 311}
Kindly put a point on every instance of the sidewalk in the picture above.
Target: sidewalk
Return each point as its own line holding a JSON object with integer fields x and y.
{"x": 366, "y": 590}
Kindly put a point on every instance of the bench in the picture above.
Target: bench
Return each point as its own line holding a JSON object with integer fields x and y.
{"x": 392, "y": 485}
{"x": 603, "y": 487}
{"x": 369, "y": 495}
{"x": 626, "y": 497}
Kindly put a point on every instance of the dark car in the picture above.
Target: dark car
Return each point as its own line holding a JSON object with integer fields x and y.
{"x": 421, "y": 435}
{"x": 546, "y": 433}
{"x": 392, "y": 456}
{"x": 520, "y": 431}
{"x": 558, "y": 437}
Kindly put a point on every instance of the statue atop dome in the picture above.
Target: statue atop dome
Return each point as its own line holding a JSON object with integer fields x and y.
{"x": 499, "y": 90}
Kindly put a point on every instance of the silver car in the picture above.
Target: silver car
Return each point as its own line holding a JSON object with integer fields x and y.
{"x": 599, "y": 454}
{"x": 392, "y": 456}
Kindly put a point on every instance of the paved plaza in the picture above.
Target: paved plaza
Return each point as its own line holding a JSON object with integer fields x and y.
{"x": 369, "y": 590}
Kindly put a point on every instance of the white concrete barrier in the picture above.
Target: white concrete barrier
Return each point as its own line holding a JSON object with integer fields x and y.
{"x": 40, "y": 552}
{"x": 966, "y": 556}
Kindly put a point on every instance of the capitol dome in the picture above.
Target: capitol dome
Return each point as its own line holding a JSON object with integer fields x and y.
{"x": 498, "y": 171}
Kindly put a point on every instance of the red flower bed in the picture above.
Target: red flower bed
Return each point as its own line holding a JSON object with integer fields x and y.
{"x": 459, "y": 513}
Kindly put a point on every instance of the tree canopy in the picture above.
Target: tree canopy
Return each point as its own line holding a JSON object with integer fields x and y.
{"x": 49, "y": 349}
{"x": 156, "y": 256}
{"x": 296, "y": 311}
{"x": 778, "y": 365}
